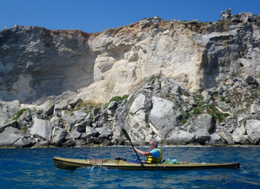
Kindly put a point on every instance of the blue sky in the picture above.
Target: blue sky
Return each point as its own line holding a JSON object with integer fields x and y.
{"x": 96, "y": 15}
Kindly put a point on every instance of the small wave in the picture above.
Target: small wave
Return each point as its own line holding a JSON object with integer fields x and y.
{"x": 186, "y": 146}
{"x": 98, "y": 168}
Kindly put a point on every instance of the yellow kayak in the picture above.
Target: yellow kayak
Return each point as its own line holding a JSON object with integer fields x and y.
{"x": 72, "y": 164}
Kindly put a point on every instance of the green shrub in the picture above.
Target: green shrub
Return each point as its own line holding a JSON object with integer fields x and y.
{"x": 91, "y": 116}
{"x": 222, "y": 98}
{"x": 39, "y": 112}
{"x": 185, "y": 114}
{"x": 228, "y": 101}
{"x": 199, "y": 96}
{"x": 201, "y": 103}
{"x": 213, "y": 108}
{"x": 214, "y": 96}
{"x": 183, "y": 121}
{"x": 19, "y": 113}
{"x": 220, "y": 119}
{"x": 125, "y": 97}
{"x": 216, "y": 114}
{"x": 154, "y": 77}
{"x": 116, "y": 99}
{"x": 220, "y": 116}
{"x": 196, "y": 111}
{"x": 225, "y": 114}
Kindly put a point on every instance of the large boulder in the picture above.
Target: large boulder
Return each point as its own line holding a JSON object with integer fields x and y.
{"x": 205, "y": 121}
{"x": 117, "y": 134}
{"x": 81, "y": 126}
{"x": 58, "y": 136}
{"x": 137, "y": 114}
{"x": 240, "y": 130}
{"x": 253, "y": 131}
{"x": 173, "y": 139}
{"x": 90, "y": 132}
{"x": 55, "y": 120}
{"x": 202, "y": 136}
{"x": 42, "y": 128}
{"x": 241, "y": 139}
{"x": 239, "y": 135}
{"x": 180, "y": 138}
{"x": 75, "y": 134}
{"x": 185, "y": 137}
{"x": 226, "y": 136}
{"x": 12, "y": 123}
{"x": 47, "y": 108}
{"x": 104, "y": 132}
{"x": 215, "y": 139}
{"x": 13, "y": 137}
{"x": 69, "y": 119}
{"x": 59, "y": 107}
{"x": 164, "y": 116}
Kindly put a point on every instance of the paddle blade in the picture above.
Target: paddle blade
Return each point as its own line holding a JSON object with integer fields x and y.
{"x": 126, "y": 134}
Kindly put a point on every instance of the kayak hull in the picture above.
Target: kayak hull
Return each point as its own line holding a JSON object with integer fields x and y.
{"x": 72, "y": 164}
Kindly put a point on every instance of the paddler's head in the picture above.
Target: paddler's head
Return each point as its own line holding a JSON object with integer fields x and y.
{"x": 153, "y": 144}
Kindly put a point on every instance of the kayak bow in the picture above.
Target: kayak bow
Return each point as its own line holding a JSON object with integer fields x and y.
{"x": 72, "y": 164}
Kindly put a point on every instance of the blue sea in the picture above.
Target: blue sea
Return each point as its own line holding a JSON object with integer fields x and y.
{"x": 33, "y": 168}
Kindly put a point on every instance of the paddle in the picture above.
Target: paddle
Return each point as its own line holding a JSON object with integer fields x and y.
{"x": 127, "y": 136}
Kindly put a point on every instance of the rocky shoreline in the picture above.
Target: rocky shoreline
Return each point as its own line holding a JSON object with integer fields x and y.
{"x": 161, "y": 109}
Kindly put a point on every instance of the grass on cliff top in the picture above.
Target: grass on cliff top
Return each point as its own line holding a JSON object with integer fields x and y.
{"x": 116, "y": 99}
{"x": 87, "y": 105}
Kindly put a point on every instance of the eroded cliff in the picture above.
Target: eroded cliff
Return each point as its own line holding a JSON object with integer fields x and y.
{"x": 188, "y": 83}
{"x": 38, "y": 64}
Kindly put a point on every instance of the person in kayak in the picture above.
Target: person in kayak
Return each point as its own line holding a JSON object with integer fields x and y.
{"x": 154, "y": 156}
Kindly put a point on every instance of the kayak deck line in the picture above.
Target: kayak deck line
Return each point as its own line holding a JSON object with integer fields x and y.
{"x": 72, "y": 164}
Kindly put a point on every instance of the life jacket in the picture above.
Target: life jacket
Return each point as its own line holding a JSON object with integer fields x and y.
{"x": 151, "y": 159}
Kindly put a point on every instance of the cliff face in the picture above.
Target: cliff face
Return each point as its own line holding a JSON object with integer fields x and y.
{"x": 188, "y": 83}
{"x": 38, "y": 64}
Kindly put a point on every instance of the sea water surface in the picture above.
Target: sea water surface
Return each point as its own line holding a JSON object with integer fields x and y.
{"x": 33, "y": 168}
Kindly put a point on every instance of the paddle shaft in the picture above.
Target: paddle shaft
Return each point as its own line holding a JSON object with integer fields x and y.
{"x": 135, "y": 152}
{"x": 127, "y": 136}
